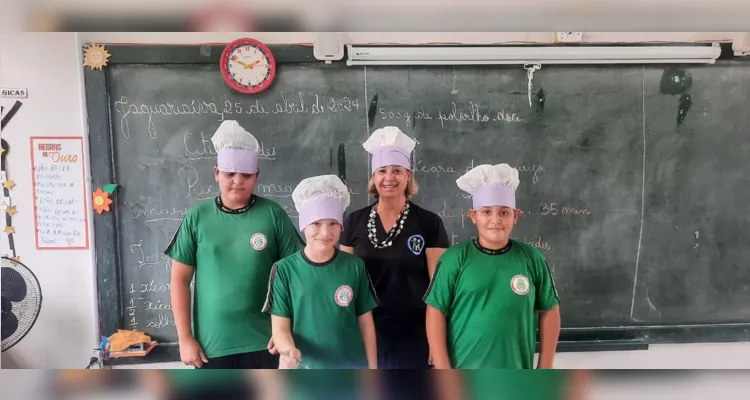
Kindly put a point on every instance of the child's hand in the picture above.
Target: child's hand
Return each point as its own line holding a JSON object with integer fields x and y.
{"x": 290, "y": 359}
{"x": 191, "y": 353}
{"x": 272, "y": 347}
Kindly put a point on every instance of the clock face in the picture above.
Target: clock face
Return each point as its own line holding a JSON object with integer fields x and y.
{"x": 248, "y": 67}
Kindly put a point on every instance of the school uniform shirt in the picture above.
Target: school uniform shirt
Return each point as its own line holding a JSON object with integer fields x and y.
{"x": 493, "y": 384}
{"x": 490, "y": 299}
{"x": 232, "y": 252}
{"x": 399, "y": 273}
{"x": 323, "y": 302}
{"x": 187, "y": 380}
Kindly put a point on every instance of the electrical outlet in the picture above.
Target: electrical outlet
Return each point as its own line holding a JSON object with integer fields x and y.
{"x": 568, "y": 37}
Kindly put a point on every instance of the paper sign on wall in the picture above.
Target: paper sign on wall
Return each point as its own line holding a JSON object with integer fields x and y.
{"x": 60, "y": 201}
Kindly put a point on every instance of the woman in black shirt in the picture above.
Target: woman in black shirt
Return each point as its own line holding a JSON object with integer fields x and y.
{"x": 400, "y": 244}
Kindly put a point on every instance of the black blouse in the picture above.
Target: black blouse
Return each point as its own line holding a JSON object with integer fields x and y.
{"x": 399, "y": 273}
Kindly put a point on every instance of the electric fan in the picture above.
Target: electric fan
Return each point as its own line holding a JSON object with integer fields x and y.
{"x": 21, "y": 301}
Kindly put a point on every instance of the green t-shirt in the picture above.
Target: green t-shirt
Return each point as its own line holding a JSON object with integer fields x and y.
{"x": 490, "y": 299}
{"x": 193, "y": 379}
{"x": 323, "y": 384}
{"x": 323, "y": 302}
{"x": 498, "y": 384}
{"x": 232, "y": 252}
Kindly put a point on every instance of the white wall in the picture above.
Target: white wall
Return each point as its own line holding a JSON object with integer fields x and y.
{"x": 49, "y": 65}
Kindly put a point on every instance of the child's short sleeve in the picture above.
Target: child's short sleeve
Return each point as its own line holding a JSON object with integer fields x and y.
{"x": 546, "y": 293}
{"x": 184, "y": 244}
{"x": 277, "y": 299}
{"x": 442, "y": 287}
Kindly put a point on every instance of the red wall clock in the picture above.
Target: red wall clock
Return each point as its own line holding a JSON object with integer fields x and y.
{"x": 248, "y": 66}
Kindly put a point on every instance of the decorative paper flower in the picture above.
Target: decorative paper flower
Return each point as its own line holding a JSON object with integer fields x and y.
{"x": 101, "y": 198}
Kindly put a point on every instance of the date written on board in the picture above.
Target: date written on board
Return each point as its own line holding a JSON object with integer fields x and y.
{"x": 281, "y": 104}
{"x": 555, "y": 209}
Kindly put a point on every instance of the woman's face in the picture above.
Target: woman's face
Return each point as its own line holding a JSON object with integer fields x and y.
{"x": 391, "y": 181}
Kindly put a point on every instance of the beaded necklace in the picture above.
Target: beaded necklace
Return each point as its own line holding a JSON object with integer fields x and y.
{"x": 395, "y": 230}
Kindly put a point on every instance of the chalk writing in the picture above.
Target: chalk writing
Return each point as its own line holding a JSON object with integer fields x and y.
{"x": 155, "y": 214}
{"x": 456, "y": 114}
{"x": 202, "y": 192}
{"x": 464, "y": 217}
{"x": 163, "y": 320}
{"x": 274, "y": 190}
{"x": 444, "y": 213}
{"x": 130, "y": 309}
{"x": 554, "y": 209}
{"x": 538, "y": 243}
{"x": 421, "y": 166}
{"x": 194, "y": 189}
{"x": 534, "y": 168}
{"x": 157, "y": 305}
{"x": 286, "y": 104}
{"x": 531, "y": 168}
{"x": 149, "y": 259}
{"x": 332, "y": 105}
{"x": 204, "y": 149}
{"x": 59, "y": 193}
{"x": 150, "y": 287}
{"x": 291, "y": 211}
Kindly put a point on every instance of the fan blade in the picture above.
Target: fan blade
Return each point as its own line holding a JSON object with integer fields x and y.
{"x": 10, "y": 325}
{"x": 13, "y": 287}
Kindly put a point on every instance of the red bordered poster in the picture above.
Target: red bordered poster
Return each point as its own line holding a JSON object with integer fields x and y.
{"x": 58, "y": 176}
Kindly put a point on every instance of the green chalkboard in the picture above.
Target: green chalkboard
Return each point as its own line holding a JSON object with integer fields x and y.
{"x": 634, "y": 179}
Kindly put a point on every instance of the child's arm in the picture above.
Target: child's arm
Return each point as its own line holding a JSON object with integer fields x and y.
{"x": 436, "y": 337}
{"x": 281, "y": 328}
{"x": 439, "y": 299}
{"x": 278, "y": 306}
{"x": 549, "y": 332}
{"x": 548, "y": 305}
{"x": 367, "y": 328}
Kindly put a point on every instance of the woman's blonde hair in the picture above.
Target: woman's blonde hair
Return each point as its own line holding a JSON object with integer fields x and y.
{"x": 412, "y": 188}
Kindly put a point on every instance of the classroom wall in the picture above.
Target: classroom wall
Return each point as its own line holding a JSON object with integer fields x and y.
{"x": 49, "y": 66}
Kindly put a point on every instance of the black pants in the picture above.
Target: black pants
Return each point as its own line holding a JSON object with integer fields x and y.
{"x": 402, "y": 345}
{"x": 402, "y": 342}
{"x": 254, "y": 360}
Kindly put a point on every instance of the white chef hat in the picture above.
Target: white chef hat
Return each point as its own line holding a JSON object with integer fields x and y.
{"x": 236, "y": 148}
{"x": 491, "y": 185}
{"x": 320, "y": 197}
{"x": 389, "y": 146}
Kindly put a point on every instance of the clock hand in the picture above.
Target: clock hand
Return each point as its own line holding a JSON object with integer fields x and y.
{"x": 241, "y": 63}
{"x": 252, "y": 64}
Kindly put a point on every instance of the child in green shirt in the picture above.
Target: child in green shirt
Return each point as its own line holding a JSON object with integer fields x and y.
{"x": 321, "y": 299}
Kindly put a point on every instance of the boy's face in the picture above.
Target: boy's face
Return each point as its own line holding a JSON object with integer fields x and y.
{"x": 235, "y": 186}
{"x": 495, "y": 223}
{"x": 323, "y": 234}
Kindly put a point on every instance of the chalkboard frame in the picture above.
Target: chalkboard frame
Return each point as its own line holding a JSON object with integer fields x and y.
{"x": 111, "y": 310}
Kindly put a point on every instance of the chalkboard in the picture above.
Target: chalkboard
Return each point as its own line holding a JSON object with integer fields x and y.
{"x": 633, "y": 178}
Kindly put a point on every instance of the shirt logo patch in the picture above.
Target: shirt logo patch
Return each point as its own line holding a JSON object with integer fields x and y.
{"x": 520, "y": 284}
{"x": 344, "y": 295}
{"x": 415, "y": 244}
{"x": 258, "y": 241}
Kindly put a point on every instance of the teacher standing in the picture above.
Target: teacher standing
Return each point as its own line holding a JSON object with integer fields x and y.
{"x": 400, "y": 243}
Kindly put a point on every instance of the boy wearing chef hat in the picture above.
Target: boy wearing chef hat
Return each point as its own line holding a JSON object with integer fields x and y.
{"x": 229, "y": 244}
{"x": 489, "y": 294}
{"x": 321, "y": 299}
